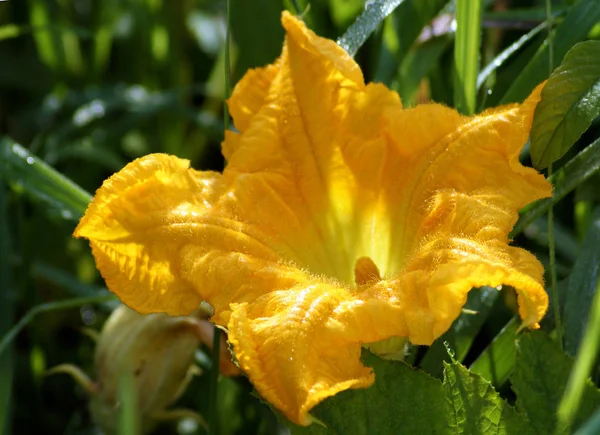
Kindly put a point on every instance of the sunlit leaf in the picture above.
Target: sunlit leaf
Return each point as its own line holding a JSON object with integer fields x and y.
{"x": 570, "y": 102}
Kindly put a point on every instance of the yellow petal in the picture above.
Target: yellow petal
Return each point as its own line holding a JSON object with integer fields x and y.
{"x": 136, "y": 224}
{"x": 281, "y": 343}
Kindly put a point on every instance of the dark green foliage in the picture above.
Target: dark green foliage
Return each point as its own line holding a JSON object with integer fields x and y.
{"x": 570, "y": 102}
{"x": 87, "y": 86}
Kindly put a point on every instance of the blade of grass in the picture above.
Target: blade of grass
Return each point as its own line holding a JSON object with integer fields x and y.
{"x": 466, "y": 54}
{"x": 48, "y": 41}
{"x": 375, "y": 12}
{"x": 40, "y": 181}
{"x": 507, "y": 53}
{"x": 576, "y": 171}
{"x": 50, "y": 306}
{"x": 71, "y": 284}
{"x": 6, "y": 310}
{"x": 583, "y": 365}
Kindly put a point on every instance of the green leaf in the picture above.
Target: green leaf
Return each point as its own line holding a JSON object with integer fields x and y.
{"x": 576, "y": 171}
{"x": 463, "y": 331}
{"x": 477, "y": 407}
{"x": 40, "y": 181}
{"x": 577, "y": 393}
{"x": 582, "y": 286}
{"x": 384, "y": 407}
{"x": 375, "y": 12}
{"x": 497, "y": 361}
{"x": 578, "y": 22}
{"x": 570, "y": 102}
{"x": 540, "y": 379}
{"x": 466, "y": 54}
{"x": 404, "y": 400}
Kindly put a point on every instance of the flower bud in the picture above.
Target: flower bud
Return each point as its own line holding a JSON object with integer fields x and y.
{"x": 157, "y": 352}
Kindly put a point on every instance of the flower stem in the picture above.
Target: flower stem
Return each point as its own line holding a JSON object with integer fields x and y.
{"x": 551, "y": 244}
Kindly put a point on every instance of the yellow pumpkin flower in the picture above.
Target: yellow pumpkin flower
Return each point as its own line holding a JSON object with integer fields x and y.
{"x": 341, "y": 220}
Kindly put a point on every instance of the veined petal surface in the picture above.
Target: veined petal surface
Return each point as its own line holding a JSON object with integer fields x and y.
{"x": 341, "y": 219}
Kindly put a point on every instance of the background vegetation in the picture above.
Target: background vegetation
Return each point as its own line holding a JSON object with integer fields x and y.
{"x": 88, "y": 85}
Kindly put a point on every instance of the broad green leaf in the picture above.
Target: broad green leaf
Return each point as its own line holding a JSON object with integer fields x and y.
{"x": 575, "y": 27}
{"x": 570, "y": 102}
{"x": 497, "y": 361}
{"x": 576, "y": 171}
{"x": 540, "y": 379}
{"x": 404, "y": 400}
{"x": 462, "y": 333}
{"x": 466, "y": 54}
{"x": 477, "y": 406}
{"x": 400, "y": 401}
{"x": 582, "y": 287}
{"x": 375, "y": 12}
{"x": 25, "y": 171}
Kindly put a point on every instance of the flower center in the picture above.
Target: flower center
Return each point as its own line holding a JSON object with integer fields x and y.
{"x": 366, "y": 271}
